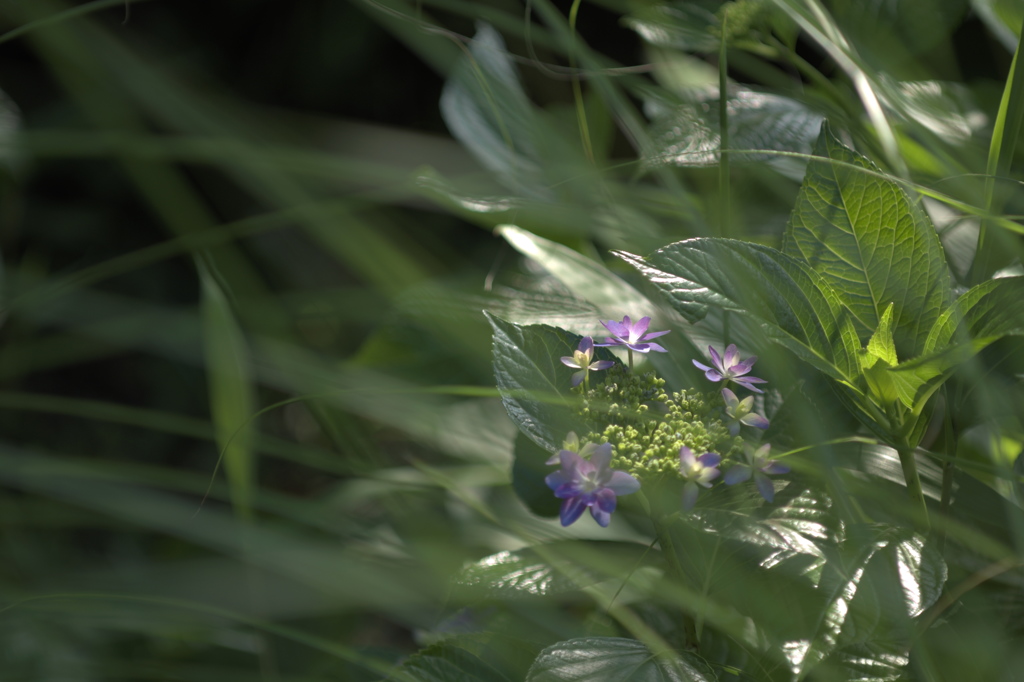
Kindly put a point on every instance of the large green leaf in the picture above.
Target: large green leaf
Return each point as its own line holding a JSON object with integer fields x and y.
{"x": 446, "y": 663}
{"x": 599, "y": 659}
{"x": 534, "y": 384}
{"x": 793, "y": 305}
{"x": 487, "y": 110}
{"x": 550, "y": 569}
{"x": 871, "y": 242}
{"x": 883, "y": 577}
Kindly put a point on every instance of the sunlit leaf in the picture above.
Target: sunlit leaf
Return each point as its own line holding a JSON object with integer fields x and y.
{"x": 686, "y": 26}
{"x": 687, "y": 134}
{"x": 487, "y": 110}
{"x": 1003, "y": 17}
{"x": 598, "y": 659}
{"x": 792, "y": 304}
{"x": 873, "y": 244}
{"x": 534, "y": 384}
{"x": 550, "y": 569}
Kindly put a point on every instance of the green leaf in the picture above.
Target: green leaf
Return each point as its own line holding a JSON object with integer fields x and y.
{"x": 596, "y": 659}
{"x": 889, "y": 577}
{"x": 584, "y": 277}
{"x": 984, "y": 314}
{"x": 446, "y": 663}
{"x": 881, "y": 346}
{"x": 688, "y": 134}
{"x": 873, "y": 245}
{"x": 487, "y": 110}
{"x": 1003, "y": 18}
{"x": 690, "y": 26}
{"x": 528, "y": 472}
{"x": 230, "y": 387}
{"x": 534, "y": 384}
{"x": 793, "y": 305}
{"x": 550, "y": 569}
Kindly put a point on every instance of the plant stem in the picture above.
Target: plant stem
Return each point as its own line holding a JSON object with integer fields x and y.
{"x": 705, "y": 589}
{"x": 909, "y": 464}
{"x": 630, "y": 351}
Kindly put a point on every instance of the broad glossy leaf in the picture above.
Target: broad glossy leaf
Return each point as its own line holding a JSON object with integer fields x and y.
{"x": 550, "y": 569}
{"x": 686, "y": 26}
{"x": 446, "y": 663}
{"x": 883, "y": 562}
{"x": 688, "y": 134}
{"x": 487, "y": 110}
{"x": 584, "y": 277}
{"x": 791, "y": 303}
{"x": 600, "y": 659}
{"x": 875, "y": 246}
{"x": 534, "y": 384}
{"x": 987, "y": 311}
{"x": 871, "y": 662}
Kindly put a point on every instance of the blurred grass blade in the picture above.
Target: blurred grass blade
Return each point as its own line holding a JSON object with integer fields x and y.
{"x": 230, "y": 389}
{"x": 995, "y": 248}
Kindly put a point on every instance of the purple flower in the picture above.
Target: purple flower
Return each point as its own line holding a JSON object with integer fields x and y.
{"x": 757, "y": 465}
{"x": 632, "y": 335}
{"x": 582, "y": 360}
{"x": 730, "y": 368}
{"x": 739, "y": 412}
{"x": 697, "y": 471}
{"x": 589, "y": 483}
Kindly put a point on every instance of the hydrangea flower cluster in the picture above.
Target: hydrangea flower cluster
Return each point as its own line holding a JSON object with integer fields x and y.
{"x": 646, "y": 432}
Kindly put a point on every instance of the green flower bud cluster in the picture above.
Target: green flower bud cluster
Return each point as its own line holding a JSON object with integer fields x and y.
{"x": 648, "y": 425}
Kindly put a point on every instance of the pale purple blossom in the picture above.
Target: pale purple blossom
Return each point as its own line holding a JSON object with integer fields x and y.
{"x": 583, "y": 483}
{"x": 582, "y": 359}
{"x": 740, "y": 412}
{"x": 632, "y": 335}
{"x": 759, "y": 466}
{"x": 729, "y": 368}
{"x": 696, "y": 471}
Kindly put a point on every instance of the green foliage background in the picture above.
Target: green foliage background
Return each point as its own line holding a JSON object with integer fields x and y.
{"x": 249, "y": 423}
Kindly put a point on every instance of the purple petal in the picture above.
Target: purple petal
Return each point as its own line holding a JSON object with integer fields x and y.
{"x": 567, "y": 490}
{"x": 701, "y": 366}
{"x": 570, "y": 461}
{"x": 602, "y": 364}
{"x": 716, "y": 359}
{"x": 604, "y": 500}
{"x": 618, "y": 329}
{"x": 622, "y": 483}
{"x": 577, "y": 377}
{"x": 654, "y": 335}
{"x": 731, "y": 401}
{"x": 586, "y": 345}
{"x": 649, "y": 347}
{"x": 608, "y": 341}
{"x": 775, "y": 468}
{"x": 557, "y": 479}
{"x": 710, "y": 459}
{"x": 690, "y": 492}
{"x": 553, "y": 459}
{"x": 686, "y": 458}
{"x": 755, "y": 420}
{"x": 713, "y": 375}
{"x": 748, "y": 382}
{"x": 601, "y": 458}
{"x": 734, "y": 429}
{"x": 765, "y": 487}
{"x": 571, "y": 510}
{"x": 737, "y": 474}
{"x": 745, "y": 366}
{"x": 569, "y": 362}
{"x": 639, "y": 329}
{"x": 731, "y": 356}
